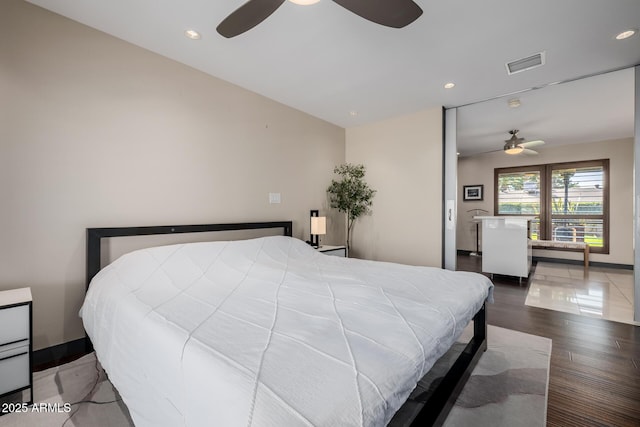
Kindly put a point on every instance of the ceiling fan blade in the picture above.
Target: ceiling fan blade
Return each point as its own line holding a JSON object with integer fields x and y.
{"x": 247, "y": 16}
{"x": 531, "y": 144}
{"x": 390, "y": 13}
{"x": 528, "y": 152}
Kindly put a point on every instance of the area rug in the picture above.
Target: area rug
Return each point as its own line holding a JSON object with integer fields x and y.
{"x": 508, "y": 387}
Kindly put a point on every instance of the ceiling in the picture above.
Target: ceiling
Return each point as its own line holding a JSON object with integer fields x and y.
{"x": 597, "y": 108}
{"x": 332, "y": 64}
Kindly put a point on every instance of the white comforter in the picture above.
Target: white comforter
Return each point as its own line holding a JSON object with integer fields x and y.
{"x": 269, "y": 332}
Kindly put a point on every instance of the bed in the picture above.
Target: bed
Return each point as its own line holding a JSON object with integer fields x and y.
{"x": 270, "y": 332}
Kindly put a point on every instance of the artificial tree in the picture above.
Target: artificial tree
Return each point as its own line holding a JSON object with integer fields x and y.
{"x": 351, "y": 194}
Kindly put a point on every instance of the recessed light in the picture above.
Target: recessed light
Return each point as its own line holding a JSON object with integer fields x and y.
{"x": 192, "y": 34}
{"x": 449, "y": 85}
{"x": 353, "y": 113}
{"x": 626, "y": 34}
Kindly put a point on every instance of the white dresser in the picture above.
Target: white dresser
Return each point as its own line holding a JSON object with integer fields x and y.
{"x": 506, "y": 247}
{"x": 16, "y": 342}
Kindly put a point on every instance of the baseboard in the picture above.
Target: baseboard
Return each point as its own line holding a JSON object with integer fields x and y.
{"x": 57, "y": 354}
{"x": 463, "y": 252}
{"x": 581, "y": 262}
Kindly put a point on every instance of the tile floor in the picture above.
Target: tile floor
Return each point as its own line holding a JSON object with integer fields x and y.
{"x": 604, "y": 293}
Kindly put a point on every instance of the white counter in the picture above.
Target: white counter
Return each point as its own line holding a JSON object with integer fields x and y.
{"x": 506, "y": 247}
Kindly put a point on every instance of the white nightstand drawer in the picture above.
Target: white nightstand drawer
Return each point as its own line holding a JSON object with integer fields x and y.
{"x": 13, "y": 348}
{"x": 14, "y": 324}
{"x": 15, "y": 372}
{"x": 15, "y": 342}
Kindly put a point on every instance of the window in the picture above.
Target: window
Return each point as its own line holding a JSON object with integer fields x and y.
{"x": 570, "y": 201}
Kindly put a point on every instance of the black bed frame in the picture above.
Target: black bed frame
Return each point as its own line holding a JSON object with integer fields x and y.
{"x": 438, "y": 405}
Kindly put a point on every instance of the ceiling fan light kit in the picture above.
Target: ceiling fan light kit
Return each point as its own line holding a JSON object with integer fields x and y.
{"x": 304, "y": 2}
{"x": 512, "y": 145}
{"x": 510, "y": 148}
{"x": 390, "y": 13}
{"x": 515, "y": 145}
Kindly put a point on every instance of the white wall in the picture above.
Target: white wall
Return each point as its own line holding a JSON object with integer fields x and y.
{"x": 97, "y": 132}
{"x": 403, "y": 157}
{"x": 480, "y": 170}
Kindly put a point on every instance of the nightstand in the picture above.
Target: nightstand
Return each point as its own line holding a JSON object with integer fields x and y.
{"x": 16, "y": 342}
{"x": 340, "y": 251}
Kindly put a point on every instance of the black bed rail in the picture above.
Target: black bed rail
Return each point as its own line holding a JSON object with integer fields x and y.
{"x": 438, "y": 406}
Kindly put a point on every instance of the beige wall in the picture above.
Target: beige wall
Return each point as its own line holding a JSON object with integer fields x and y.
{"x": 479, "y": 170}
{"x": 403, "y": 157}
{"x": 97, "y": 132}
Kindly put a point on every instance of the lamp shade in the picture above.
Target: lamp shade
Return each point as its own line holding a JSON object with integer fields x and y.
{"x": 318, "y": 225}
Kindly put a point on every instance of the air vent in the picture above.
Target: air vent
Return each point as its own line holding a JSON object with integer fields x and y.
{"x": 524, "y": 64}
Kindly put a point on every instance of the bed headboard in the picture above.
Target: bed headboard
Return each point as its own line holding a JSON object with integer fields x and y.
{"x": 94, "y": 236}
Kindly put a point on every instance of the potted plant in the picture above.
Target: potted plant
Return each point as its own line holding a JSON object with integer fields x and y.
{"x": 350, "y": 194}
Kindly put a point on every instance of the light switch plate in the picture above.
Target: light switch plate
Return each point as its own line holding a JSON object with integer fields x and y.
{"x": 274, "y": 198}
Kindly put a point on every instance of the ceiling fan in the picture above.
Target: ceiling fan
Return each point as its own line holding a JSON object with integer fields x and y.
{"x": 390, "y": 13}
{"x": 515, "y": 145}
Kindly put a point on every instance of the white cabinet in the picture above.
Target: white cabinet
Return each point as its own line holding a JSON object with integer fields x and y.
{"x": 506, "y": 247}
{"x": 340, "y": 251}
{"x": 15, "y": 342}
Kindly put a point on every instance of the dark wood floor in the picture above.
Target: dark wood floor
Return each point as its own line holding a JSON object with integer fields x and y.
{"x": 594, "y": 378}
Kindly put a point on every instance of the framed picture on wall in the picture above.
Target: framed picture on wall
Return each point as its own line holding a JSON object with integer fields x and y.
{"x": 472, "y": 192}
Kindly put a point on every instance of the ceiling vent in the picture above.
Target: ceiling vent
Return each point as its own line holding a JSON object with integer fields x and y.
{"x": 524, "y": 64}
